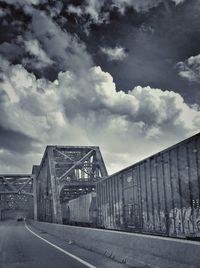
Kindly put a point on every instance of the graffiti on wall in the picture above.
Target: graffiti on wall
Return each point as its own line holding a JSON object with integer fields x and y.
{"x": 155, "y": 221}
{"x": 185, "y": 221}
{"x": 182, "y": 222}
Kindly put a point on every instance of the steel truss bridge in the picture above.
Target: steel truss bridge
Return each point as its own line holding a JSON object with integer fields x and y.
{"x": 64, "y": 173}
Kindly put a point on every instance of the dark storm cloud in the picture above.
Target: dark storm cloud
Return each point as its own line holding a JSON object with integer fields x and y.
{"x": 10, "y": 50}
{"x": 16, "y": 141}
{"x": 155, "y": 34}
{"x": 155, "y": 42}
{"x": 3, "y": 13}
{"x": 99, "y": 11}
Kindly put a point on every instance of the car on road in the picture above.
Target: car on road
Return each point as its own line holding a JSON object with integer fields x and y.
{"x": 20, "y": 219}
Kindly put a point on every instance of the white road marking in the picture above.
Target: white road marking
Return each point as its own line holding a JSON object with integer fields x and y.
{"x": 62, "y": 250}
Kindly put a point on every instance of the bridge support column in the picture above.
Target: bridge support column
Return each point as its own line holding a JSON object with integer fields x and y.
{"x": 57, "y": 211}
{"x": 35, "y": 197}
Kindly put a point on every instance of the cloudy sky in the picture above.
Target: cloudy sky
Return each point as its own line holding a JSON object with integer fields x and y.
{"x": 121, "y": 74}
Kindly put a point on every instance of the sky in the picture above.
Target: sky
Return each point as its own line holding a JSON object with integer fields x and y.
{"x": 120, "y": 74}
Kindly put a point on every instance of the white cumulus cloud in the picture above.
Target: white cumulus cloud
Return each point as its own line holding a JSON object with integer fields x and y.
{"x": 88, "y": 110}
{"x": 116, "y": 53}
{"x": 190, "y": 69}
{"x": 34, "y": 48}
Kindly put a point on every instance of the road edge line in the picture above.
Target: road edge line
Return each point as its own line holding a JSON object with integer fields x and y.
{"x": 62, "y": 250}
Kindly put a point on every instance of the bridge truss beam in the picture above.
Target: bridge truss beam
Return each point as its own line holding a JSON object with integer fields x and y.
{"x": 65, "y": 173}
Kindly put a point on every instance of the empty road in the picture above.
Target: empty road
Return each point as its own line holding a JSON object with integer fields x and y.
{"x": 19, "y": 248}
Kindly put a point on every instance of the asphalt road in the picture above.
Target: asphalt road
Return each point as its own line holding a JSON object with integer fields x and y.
{"x": 19, "y": 248}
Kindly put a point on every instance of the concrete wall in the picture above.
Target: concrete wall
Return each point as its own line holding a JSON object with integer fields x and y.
{"x": 134, "y": 249}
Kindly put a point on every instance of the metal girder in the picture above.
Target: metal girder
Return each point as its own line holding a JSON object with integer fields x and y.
{"x": 16, "y": 192}
{"x": 72, "y": 161}
{"x": 79, "y": 162}
{"x": 15, "y": 175}
{"x": 8, "y": 183}
{"x": 65, "y": 156}
{"x": 27, "y": 182}
{"x": 8, "y": 192}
